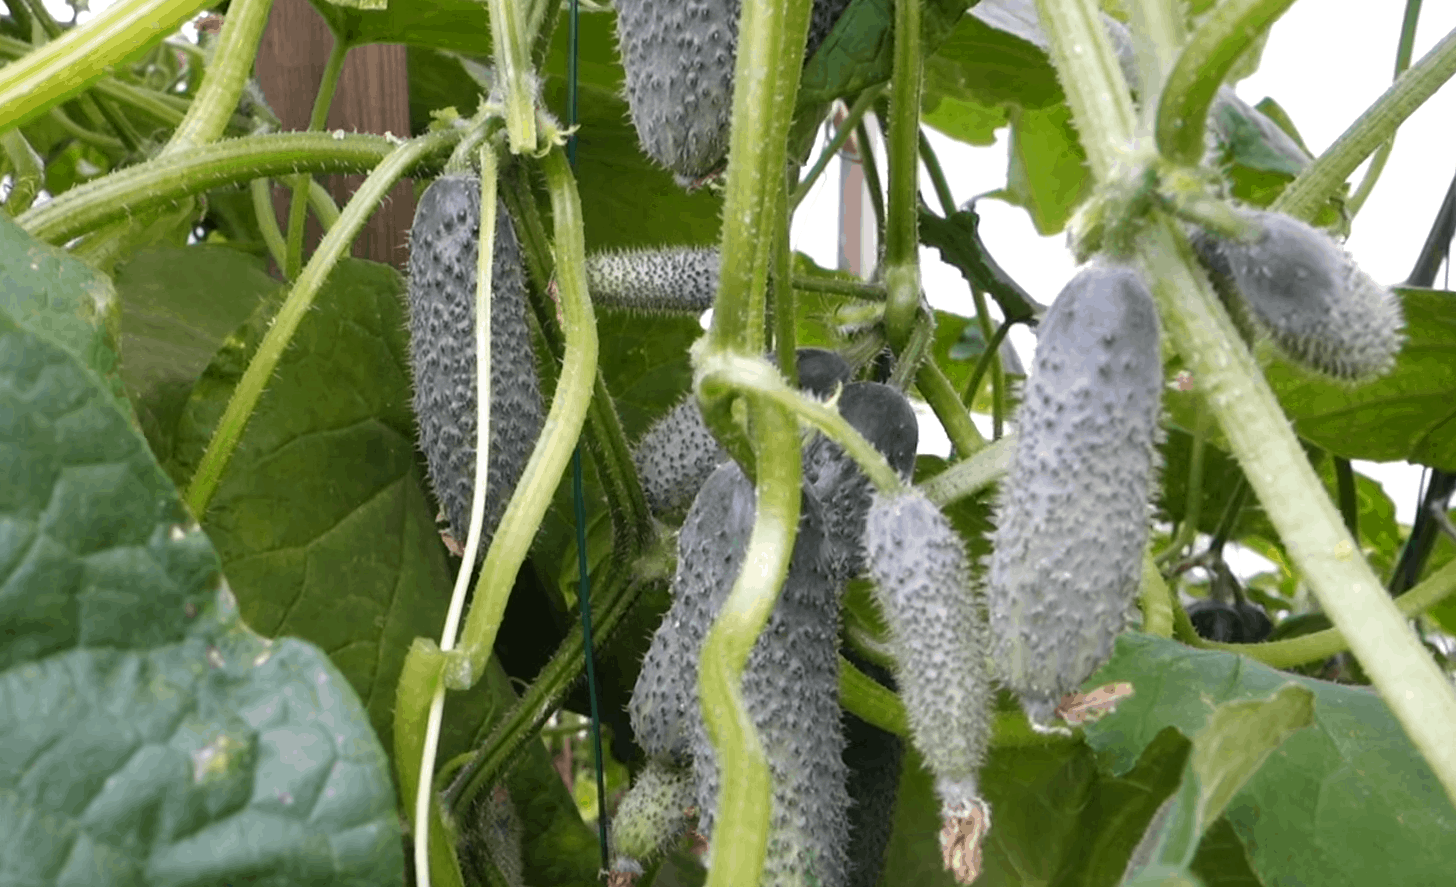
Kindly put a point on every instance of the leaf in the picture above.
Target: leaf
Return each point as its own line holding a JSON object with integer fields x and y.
{"x": 147, "y": 736}
{"x": 1347, "y": 801}
{"x": 1406, "y": 415}
{"x": 177, "y": 306}
{"x": 61, "y": 299}
{"x": 1048, "y": 168}
{"x": 986, "y": 64}
{"x": 859, "y": 51}
{"x": 959, "y": 241}
{"x": 461, "y": 25}
{"x": 321, "y": 518}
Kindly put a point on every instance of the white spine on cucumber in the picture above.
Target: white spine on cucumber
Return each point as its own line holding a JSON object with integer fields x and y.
{"x": 654, "y": 814}
{"x": 667, "y": 280}
{"x": 1073, "y": 511}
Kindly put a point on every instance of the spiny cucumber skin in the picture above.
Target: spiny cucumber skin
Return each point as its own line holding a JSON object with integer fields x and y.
{"x": 443, "y": 245}
{"x": 652, "y": 816}
{"x": 1073, "y": 510}
{"x": 883, "y": 415}
{"x": 666, "y": 280}
{"x": 923, "y": 584}
{"x": 679, "y": 56}
{"x": 872, "y": 757}
{"x": 791, "y": 690}
{"x": 678, "y": 452}
{"x": 1304, "y": 290}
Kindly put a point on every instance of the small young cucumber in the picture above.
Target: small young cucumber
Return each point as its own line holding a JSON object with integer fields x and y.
{"x": 442, "y": 274}
{"x": 1073, "y": 511}
{"x": 1304, "y": 290}
{"x": 938, "y": 635}
{"x": 655, "y": 813}
{"x": 667, "y": 280}
{"x": 679, "y": 56}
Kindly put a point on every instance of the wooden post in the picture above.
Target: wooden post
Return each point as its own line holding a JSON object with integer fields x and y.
{"x": 372, "y": 96}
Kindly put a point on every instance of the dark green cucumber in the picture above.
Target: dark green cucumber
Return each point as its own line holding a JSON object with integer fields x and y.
{"x": 442, "y": 274}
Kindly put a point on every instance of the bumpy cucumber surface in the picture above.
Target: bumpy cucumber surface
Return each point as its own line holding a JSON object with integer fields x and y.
{"x": 1304, "y": 290}
{"x": 443, "y": 245}
{"x": 678, "y": 452}
{"x": 652, "y": 816}
{"x": 1073, "y": 511}
{"x": 939, "y": 637}
{"x": 791, "y": 690}
{"x": 679, "y": 57}
{"x": 885, "y": 418}
{"x": 667, "y": 280}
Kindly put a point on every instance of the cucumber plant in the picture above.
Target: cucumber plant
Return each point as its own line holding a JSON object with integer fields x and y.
{"x": 221, "y": 581}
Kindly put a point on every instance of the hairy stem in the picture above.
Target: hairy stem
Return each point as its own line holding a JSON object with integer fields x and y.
{"x": 298, "y": 204}
{"x": 902, "y": 248}
{"x": 559, "y": 432}
{"x": 261, "y": 191}
{"x": 1403, "y": 52}
{"x": 841, "y": 135}
{"x": 743, "y": 795}
{"x": 514, "y": 73}
{"x": 65, "y": 67}
{"x": 250, "y": 387}
{"x": 946, "y": 402}
{"x": 1320, "y": 179}
{"x": 225, "y": 78}
{"x": 970, "y": 476}
{"x": 165, "y": 180}
{"x": 1200, "y": 70}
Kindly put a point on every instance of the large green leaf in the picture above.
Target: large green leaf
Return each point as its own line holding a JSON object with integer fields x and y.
{"x": 461, "y": 25}
{"x": 61, "y": 299}
{"x": 321, "y": 518}
{"x": 147, "y": 736}
{"x": 1347, "y": 801}
{"x": 1405, "y": 415}
{"x": 1047, "y": 174}
{"x": 177, "y": 306}
{"x": 860, "y": 52}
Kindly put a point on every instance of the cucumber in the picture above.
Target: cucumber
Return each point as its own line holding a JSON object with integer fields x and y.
{"x": 1300, "y": 287}
{"x": 885, "y": 418}
{"x": 872, "y": 757}
{"x": 679, "y": 57}
{"x": 791, "y": 690}
{"x": 652, "y": 817}
{"x": 493, "y": 839}
{"x": 443, "y": 246}
{"x": 938, "y": 635}
{"x": 1072, "y": 514}
{"x": 676, "y": 455}
{"x": 667, "y": 280}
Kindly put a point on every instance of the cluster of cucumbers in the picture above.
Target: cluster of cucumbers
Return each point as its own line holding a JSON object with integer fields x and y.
{"x": 1071, "y": 518}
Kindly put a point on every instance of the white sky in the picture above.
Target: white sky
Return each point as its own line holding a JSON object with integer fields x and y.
{"x": 1325, "y": 63}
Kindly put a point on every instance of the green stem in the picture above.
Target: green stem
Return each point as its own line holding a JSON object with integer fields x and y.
{"x": 1320, "y": 179}
{"x": 946, "y": 402}
{"x": 261, "y": 190}
{"x": 846, "y": 129}
{"x": 864, "y": 697}
{"x": 970, "y": 476}
{"x": 226, "y": 76}
{"x": 756, "y": 376}
{"x": 81, "y": 133}
{"x": 513, "y": 70}
{"x": 993, "y": 352}
{"x": 165, "y": 180}
{"x": 250, "y": 387}
{"x": 763, "y": 102}
{"x": 1210, "y": 54}
{"x": 97, "y": 109}
{"x": 559, "y": 433}
{"x": 27, "y": 173}
{"x": 871, "y": 175}
{"x": 912, "y": 355}
{"x": 784, "y": 310}
{"x": 1258, "y": 432}
{"x": 323, "y": 206}
{"x": 1320, "y": 645}
{"x": 1160, "y": 24}
{"x": 1402, "y": 61}
{"x": 835, "y": 286}
{"x": 1349, "y": 500}
{"x": 65, "y": 67}
{"x": 317, "y": 119}
{"x": 743, "y": 790}
{"x": 937, "y": 176}
{"x": 983, "y": 364}
{"x": 1156, "y": 600}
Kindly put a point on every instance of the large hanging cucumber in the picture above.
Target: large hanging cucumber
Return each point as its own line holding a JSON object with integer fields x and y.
{"x": 679, "y": 57}
{"x": 442, "y": 274}
{"x": 1073, "y": 511}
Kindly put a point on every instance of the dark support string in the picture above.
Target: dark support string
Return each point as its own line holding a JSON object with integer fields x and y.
{"x": 578, "y": 496}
